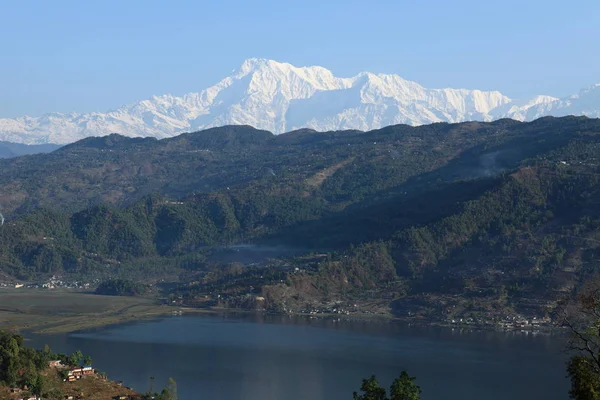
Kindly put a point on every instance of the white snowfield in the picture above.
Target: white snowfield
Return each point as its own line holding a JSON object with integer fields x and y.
{"x": 280, "y": 97}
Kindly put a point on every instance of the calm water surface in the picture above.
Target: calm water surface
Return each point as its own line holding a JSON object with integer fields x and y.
{"x": 257, "y": 358}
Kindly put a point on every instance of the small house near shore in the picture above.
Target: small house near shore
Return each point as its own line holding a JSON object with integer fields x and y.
{"x": 77, "y": 373}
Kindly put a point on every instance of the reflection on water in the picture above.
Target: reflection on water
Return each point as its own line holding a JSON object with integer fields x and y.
{"x": 221, "y": 357}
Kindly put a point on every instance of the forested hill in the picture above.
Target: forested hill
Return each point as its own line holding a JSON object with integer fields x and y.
{"x": 474, "y": 216}
{"x": 340, "y": 167}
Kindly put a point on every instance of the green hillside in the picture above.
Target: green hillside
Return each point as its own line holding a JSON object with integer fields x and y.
{"x": 437, "y": 220}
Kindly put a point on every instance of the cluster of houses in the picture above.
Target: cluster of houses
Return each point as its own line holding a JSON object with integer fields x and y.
{"x": 32, "y": 397}
{"x": 508, "y": 322}
{"x": 74, "y": 373}
{"x": 28, "y": 397}
{"x": 523, "y": 322}
{"x": 55, "y": 364}
{"x": 57, "y": 282}
{"x": 54, "y": 282}
{"x": 77, "y": 373}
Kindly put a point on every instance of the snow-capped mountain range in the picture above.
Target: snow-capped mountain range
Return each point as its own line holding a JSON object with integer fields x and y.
{"x": 280, "y": 97}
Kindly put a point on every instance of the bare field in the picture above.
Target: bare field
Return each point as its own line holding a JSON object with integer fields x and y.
{"x": 44, "y": 311}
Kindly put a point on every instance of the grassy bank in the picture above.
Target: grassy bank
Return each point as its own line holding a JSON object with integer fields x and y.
{"x": 60, "y": 311}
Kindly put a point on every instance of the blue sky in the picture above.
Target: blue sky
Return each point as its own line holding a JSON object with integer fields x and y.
{"x": 96, "y": 55}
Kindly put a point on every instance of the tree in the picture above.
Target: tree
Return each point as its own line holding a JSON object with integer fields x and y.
{"x": 404, "y": 388}
{"x": 584, "y": 381}
{"x": 172, "y": 389}
{"x": 121, "y": 287}
{"x": 37, "y": 385}
{"x": 87, "y": 360}
{"x": 168, "y": 393}
{"x": 22, "y": 366}
{"x": 75, "y": 358}
{"x": 582, "y": 317}
{"x": 371, "y": 390}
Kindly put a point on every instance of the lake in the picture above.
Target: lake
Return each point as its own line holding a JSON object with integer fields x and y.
{"x": 268, "y": 358}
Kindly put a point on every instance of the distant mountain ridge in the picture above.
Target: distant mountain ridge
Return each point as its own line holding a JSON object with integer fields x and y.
{"x": 280, "y": 97}
{"x": 9, "y": 150}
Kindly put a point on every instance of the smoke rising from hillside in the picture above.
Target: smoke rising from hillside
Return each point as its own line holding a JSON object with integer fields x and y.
{"x": 489, "y": 164}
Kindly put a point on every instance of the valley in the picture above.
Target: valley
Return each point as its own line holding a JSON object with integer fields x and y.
{"x": 299, "y": 200}
{"x": 488, "y": 223}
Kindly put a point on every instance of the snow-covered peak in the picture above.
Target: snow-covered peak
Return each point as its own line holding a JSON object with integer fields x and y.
{"x": 280, "y": 97}
{"x": 586, "y": 102}
{"x": 252, "y": 64}
{"x": 541, "y": 100}
{"x": 589, "y": 91}
{"x": 524, "y": 110}
{"x": 262, "y": 69}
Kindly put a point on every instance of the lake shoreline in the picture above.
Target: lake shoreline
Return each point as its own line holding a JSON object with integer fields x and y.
{"x": 167, "y": 311}
{"x": 46, "y": 312}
